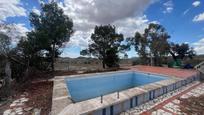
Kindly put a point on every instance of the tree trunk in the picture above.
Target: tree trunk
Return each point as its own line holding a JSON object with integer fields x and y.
{"x": 8, "y": 79}
{"x": 104, "y": 66}
{"x": 172, "y": 54}
{"x": 53, "y": 57}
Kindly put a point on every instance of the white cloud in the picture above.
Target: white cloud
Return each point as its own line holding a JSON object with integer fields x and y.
{"x": 15, "y": 31}
{"x": 126, "y": 15}
{"x": 106, "y": 11}
{"x": 199, "y": 17}
{"x": 35, "y": 10}
{"x": 186, "y": 11}
{"x": 130, "y": 25}
{"x": 169, "y": 6}
{"x": 79, "y": 39}
{"x": 11, "y": 8}
{"x": 196, "y": 3}
{"x": 199, "y": 46}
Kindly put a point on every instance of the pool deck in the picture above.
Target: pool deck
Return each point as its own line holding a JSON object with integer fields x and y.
{"x": 63, "y": 105}
{"x": 179, "y": 73}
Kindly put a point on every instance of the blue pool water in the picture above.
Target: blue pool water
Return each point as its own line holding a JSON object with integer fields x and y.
{"x": 90, "y": 87}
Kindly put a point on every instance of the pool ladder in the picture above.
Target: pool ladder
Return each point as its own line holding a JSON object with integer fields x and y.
{"x": 200, "y": 67}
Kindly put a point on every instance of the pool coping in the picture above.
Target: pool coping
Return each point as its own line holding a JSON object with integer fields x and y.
{"x": 63, "y": 105}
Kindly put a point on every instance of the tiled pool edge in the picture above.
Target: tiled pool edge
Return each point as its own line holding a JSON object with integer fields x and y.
{"x": 61, "y": 102}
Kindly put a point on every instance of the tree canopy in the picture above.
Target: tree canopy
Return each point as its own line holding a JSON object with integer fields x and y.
{"x": 50, "y": 30}
{"x": 105, "y": 45}
{"x": 152, "y": 44}
{"x": 180, "y": 51}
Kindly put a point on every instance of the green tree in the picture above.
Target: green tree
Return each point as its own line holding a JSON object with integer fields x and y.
{"x": 140, "y": 44}
{"x": 158, "y": 42}
{"x": 180, "y": 51}
{"x": 106, "y": 44}
{"x": 5, "y": 74}
{"x": 50, "y": 30}
{"x": 112, "y": 59}
{"x": 4, "y": 44}
{"x": 152, "y": 44}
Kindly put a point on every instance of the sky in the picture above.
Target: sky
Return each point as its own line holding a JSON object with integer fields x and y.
{"x": 183, "y": 19}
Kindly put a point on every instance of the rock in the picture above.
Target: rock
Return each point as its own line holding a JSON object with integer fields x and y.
{"x": 19, "y": 113}
{"x": 7, "y": 112}
{"x": 19, "y": 110}
{"x": 22, "y": 95}
{"x": 20, "y": 104}
{"x": 25, "y": 93}
{"x": 28, "y": 109}
{"x": 16, "y": 101}
{"x": 24, "y": 99}
{"x": 12, "y": 113}
{"x": 37, "y": 111}
{"x": 13, "y": 105}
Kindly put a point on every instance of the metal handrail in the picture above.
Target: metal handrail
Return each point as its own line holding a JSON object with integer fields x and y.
{"x": 199, "y": 65}
{"x": 118, "y": 96}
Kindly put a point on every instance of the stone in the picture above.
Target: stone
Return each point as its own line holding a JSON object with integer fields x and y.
{"x": 12, "y": 113}
{"x": 28, "y": 109}
{"x": 24, "y": 99}
{"x": 22, "y": 95}
{"x": 20, "y": 104}
{"x": 7, "y": 112}
{"x": 176, "y": 101}
{"x": 19, "y": 113}
{"x": 173, "y": 108}
{"x": 13, "y": 105}
{"x": 25, "y": 93}
{"x": 37, "y": 111}
{"x": 19, "y": 110}
{"x": 161, "y": 112}
{"x": 16, "y": 101}
{"x": 184, "y": 96}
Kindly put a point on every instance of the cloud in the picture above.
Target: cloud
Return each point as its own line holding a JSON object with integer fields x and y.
{"x": 199, "y": 46}
{"x": 199, "y": 17}
{"x": 169, "y": 6}
{"x": 186, "y": 11}
{"x": 15, "y": 31}
{"x": 196, "y": 3}
{"x": 11, "y": 8}
{"x": 130, "y": 25}
{"x": 35, "y": 10}
{"x": 106, "y": 11}
{"x": 125, "y": 15}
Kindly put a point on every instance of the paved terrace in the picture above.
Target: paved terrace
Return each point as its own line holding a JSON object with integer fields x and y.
{"x": 179, "y": 73}
{"x": 62, "y": 103}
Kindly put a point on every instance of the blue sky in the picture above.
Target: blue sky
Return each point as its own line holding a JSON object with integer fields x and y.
{"x": 184, "y": 20}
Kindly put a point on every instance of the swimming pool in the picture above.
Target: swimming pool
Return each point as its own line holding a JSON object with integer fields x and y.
{"x": 84, "y": 88}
